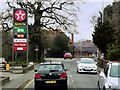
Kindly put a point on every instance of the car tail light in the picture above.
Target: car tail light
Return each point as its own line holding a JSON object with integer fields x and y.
{"x": 3, "y": 62}
{"x": 63, "y": 75}
{"x": 37, "y": 76}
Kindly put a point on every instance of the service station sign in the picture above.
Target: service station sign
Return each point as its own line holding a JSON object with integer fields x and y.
{"x": 20, "y": 17}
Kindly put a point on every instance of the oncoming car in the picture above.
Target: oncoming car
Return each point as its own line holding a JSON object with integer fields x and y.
{"x": 109, "y": 77}
{"x": 86, "y": 65}
{"x": 51, "y": 75}
{"x": 67, "y": 55}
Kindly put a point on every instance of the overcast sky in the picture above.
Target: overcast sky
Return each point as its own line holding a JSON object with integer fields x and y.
{"x": 87, "y": 10}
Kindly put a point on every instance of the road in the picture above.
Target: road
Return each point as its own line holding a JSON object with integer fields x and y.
{"x": 75, "y": 80}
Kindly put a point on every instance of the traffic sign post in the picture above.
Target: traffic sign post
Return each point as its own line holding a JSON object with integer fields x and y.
{"x": 20, "y": 31}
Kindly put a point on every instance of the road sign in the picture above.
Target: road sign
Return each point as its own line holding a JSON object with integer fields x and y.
{"x": 20, "y": 40}
{"x": 36, "y": 49}
{"x": 20, "y": 48}
{"x": 20, "y": 44}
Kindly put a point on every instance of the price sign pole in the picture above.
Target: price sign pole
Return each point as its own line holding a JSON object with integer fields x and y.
{"x": 20, "y": 32}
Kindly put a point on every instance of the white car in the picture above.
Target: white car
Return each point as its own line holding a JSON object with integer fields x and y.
{"x": 3, "y": 63}
{"x": 86, "y": 65}
{"x": 109, "y": 77}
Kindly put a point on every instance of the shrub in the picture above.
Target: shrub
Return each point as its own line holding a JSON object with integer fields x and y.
{"x": 114, "y": 55}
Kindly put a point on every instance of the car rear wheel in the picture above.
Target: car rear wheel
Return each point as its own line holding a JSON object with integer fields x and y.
{"x": 37, "y": 87}
{"x": 64, "y": 87}
{"x": 104, "y": 88}
{"x": 98, "y": 86}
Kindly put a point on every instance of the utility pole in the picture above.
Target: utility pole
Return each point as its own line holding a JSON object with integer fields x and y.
{"x": 72, "y": 35}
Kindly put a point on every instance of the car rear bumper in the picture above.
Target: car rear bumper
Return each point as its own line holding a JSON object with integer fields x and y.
{"x": 42, "y": 83}
{"x": 67, "y": 57}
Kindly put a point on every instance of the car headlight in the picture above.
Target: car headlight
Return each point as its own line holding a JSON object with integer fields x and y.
{"x": 94, "y": 66}
{"x": 111, "y": 85}
{"x": 81, "y": 66}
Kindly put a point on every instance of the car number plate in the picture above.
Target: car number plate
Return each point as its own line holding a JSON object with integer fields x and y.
{"x": 87, "y": 68}
{"x": 50, "y": 81}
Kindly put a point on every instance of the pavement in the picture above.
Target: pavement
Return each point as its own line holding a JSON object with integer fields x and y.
{"x": 16, "y": 80}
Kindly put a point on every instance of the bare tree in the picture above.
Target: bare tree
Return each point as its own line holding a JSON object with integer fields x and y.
{"x": 54, "y": 14}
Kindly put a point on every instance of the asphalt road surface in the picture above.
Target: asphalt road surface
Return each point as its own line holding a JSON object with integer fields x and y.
{"x": 75, "y": 81}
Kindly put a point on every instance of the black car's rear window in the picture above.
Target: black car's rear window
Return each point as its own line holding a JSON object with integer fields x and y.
{"x": 50, "y": 67}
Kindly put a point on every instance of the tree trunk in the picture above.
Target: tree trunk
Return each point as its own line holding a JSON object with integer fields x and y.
{"x": 37, "y": 20}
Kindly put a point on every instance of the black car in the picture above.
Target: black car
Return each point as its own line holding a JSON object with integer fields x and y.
{"x": 51, "y": 75}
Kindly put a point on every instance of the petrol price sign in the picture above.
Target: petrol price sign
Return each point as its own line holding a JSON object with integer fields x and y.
{"x": 22, "y": 29}
{"x": 20, "y": 35}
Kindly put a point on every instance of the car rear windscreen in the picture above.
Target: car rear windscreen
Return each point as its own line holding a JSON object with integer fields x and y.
{"x": 49, "y": 67}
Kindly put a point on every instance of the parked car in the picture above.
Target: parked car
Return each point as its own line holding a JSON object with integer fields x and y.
{"x": 109, "y": 77}
{"x": 3, "y": 63}
{"x": 86, "y": 65}
{"x": 67, "y": 55}
{"x": 51, "y": 75}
